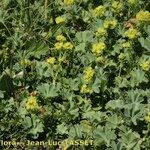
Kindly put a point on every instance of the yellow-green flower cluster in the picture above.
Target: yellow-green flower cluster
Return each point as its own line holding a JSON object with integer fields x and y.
{"x": 51, "y": 60}
{"x": 143, "y": 16}
{"x": 68, "y": 2}
{"x": 147, "y": 118}
{"x": 132, "y": 2}
{"x": 59, "y": 20}
{"x": 126, "y": 45}
{"x": 88, "y": 74}
{"x": 117, "y": 6}
{"x": 26, "y": 62}
{"x": 98, "y": 48}
{"x": 145, "y": 65}
{"x": 31, "y": 103}
{"x": 99, "y": 11}
{"x": 62, "y": 43}
{"x": 132, "y": 33}
{"x": 58, "y": 45}
{"x": 85, "y": 89}
{"x": 121, "y": 56}
{"x": 68, "y": 46}
{"x": 110, "y": 24}
{"x": 101, "y": 32}
{"x": 60, "y": 38}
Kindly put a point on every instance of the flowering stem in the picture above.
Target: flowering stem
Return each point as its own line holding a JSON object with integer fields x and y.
{"x": 120, "y": 70}
{"x": 45, "y": 5}
{"x": 28, "y": 13}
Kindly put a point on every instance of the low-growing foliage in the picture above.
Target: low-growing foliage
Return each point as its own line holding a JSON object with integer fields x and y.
{"x": 75, "y": 70}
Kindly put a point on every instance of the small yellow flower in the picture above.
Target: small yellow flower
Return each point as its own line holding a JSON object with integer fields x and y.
{"x": 143, "y": 16}
{"x": 121, "y": 56}
{"x": 132, "y": 2}
{"x": 88, "y": 74}
{"x": 99, "y": 11}
{"x": 58, "y": 45}
{"x": 101, "y": 31}
{"x": 110, "y": 24}
{"x": 26, "y": 62}
{"x": 106, "y": 24}
{"x": 113, "y": 24}
{"x": 126, "y": 45}
{"x": 117, "y": 6}
{"x": 68, "y": 2}
{"x": 51, "y": 60}
{"x": 68, "y": 46}
{"x": 31, "y": 103}
{"x": 98, "y": 48}
{"x": 145, "y": 65}
{"x": 132, "y": 33}
{"x": 147, "y": 118}
{"x": 59, "y": 20}
{"x": 85, "y": 89}
{"x": 60, "y": 38}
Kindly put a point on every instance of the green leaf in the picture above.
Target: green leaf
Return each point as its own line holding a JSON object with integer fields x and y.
{"x": 62, "y": 128}
{"x": 96, "y": 85}
{"x": 75, "y": 131}
{"x": 115, "y": 104}
{"x": 145, "y": 43}
{"x": 104, "y": 134}
{"x": 28, "y": 122}
{"x": 147, "y": 29}
{"x": 80, "y": 48}
{"x": 1, "y": 94}
{"x": 121, "y": 82}
{"x": 48, "y": 90}
{"x": 37, "y": 49}
{"x": 43, "y": 69}
{"x": 6, "y": 84}
{"x": 130, "y": 139}
{"x": 73, "y": 110}
{"x": 84, "y": 36}
{"x": 137, "y": 76}
{"x": 37, "y": 126}
{"x": 37, "y": 129}
{"x": 93, "y": 115}
{"x": 116, "y": 146}
{"x": 114, "y": 121}
{"x": 74, "y": 84}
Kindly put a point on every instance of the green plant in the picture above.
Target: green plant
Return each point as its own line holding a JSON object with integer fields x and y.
{"x": 75, "y": 70}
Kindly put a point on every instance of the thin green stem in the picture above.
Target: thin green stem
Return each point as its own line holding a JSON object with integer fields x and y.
{"x": 28, "y": 13}
{"x": 45, "y": 5}
{"x": 8, "y": 32}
